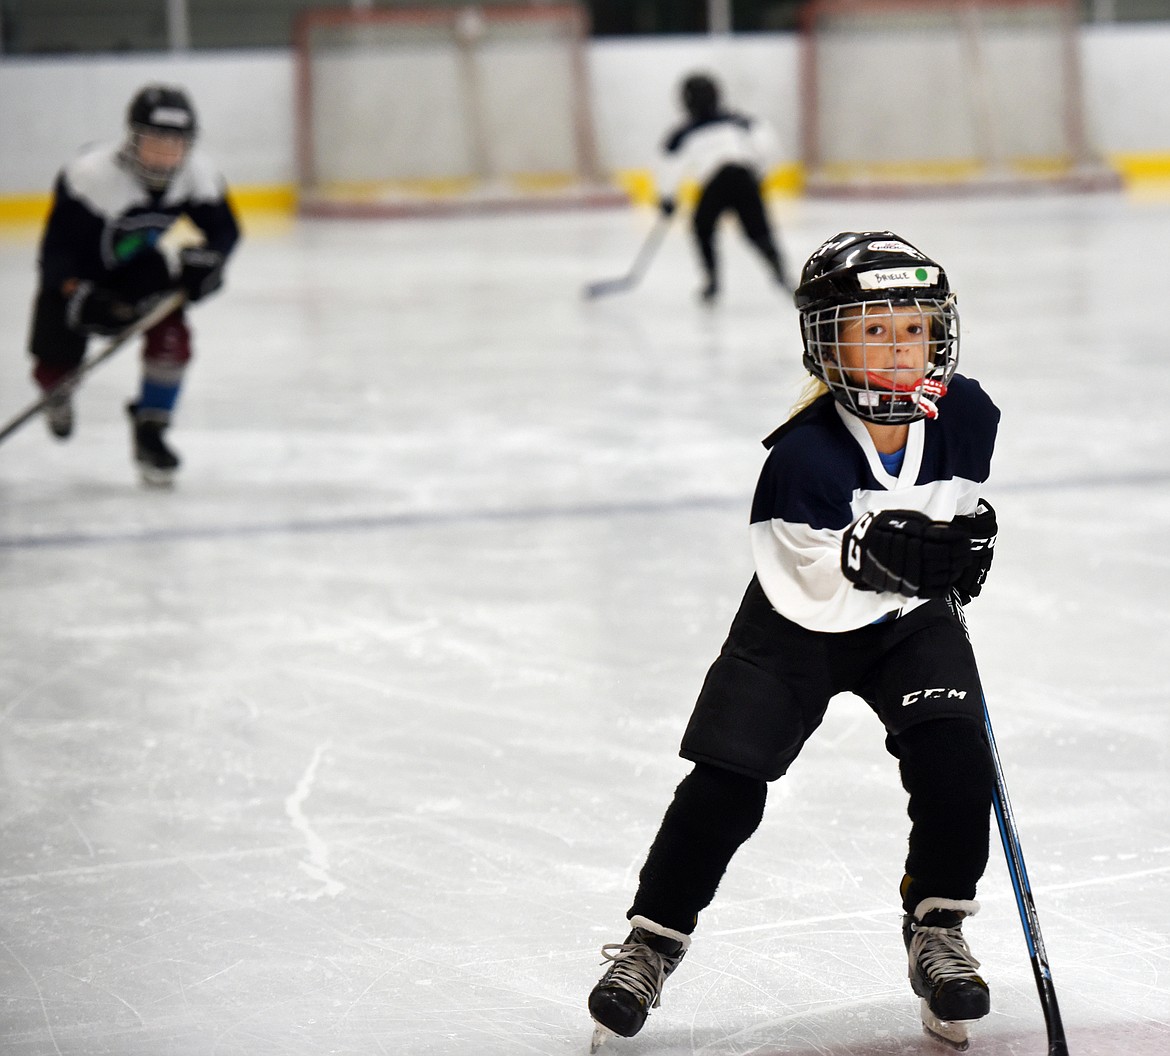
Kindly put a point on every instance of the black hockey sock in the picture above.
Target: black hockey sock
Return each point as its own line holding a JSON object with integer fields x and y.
{"x": 713, "y": 812}
{"x": 946, "y": 767}
{"x": 705, "y": 244}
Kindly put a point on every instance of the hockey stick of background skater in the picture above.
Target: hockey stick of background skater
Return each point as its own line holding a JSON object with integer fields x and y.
{"x": 1057, "y": 1045}
{"x": 156, "y": 314}
{"x": 641, "y": 262}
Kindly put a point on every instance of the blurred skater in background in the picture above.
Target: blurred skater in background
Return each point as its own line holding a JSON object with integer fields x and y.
{"x": 726, "y": 153}
{"x": 103, "y": 263}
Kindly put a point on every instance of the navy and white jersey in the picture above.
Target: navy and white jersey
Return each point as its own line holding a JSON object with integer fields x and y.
{"x": 699, "y": 149}
{"x": 102, "y": 216}
{"x": 823, "y": 472}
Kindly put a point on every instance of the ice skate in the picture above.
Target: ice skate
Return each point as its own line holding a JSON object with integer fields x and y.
{"x": 943, "y": 972}
{"x": 632, "y": 984}
{"x": 58, "y": 413}
{"x": 157, "y": 463}
{"x": 709, "y": 294}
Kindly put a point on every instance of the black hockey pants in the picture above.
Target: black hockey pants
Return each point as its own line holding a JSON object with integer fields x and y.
{"x": 714, "y": 811}
{"x": 767, "y": 692}
{"x": 734, "y": 188}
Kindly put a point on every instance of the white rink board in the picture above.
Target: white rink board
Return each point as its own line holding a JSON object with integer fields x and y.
{"x": 50, "y": 106}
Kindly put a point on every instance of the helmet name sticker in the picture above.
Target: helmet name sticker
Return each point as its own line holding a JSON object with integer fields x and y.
{"x": 170, "y": 116}
{"x": 893, "y": 247}
{"x": 895, "y": 277}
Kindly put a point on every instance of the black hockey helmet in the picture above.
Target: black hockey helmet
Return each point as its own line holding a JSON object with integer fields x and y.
{"x": 159, "y": 110}
{"x": 700, "y": 95}
{"x": 868, "y": 274}
{"x": 162, "y": 108}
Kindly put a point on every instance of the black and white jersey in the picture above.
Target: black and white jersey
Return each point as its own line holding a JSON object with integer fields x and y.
{"x": 699, "y": 149}
{"x": 823, "y": 472}
{"x": 102, "y": 216}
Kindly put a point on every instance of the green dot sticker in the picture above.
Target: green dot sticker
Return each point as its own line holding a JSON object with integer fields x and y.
{"x": 921, "y": 275}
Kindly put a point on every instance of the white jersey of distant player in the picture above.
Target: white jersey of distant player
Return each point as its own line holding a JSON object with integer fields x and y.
{"x": 702, "y": 150}
{"x": 98, "y": 178}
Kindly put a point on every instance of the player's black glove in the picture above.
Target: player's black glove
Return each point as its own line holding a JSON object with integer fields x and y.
{"x": 983, "y": 528}
{"x": 95, "y": 310}
{"x": 666, "y": 205}
{"x": 905, "y": 552}
{"x": 201, "y": 271}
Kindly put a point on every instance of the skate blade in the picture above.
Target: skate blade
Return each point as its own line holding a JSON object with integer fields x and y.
{"x": 949, "y": 1032}
{"x": 600, "y": 1036}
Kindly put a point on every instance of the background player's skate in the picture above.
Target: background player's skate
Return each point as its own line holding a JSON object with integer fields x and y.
{"x": 157, "y": 461}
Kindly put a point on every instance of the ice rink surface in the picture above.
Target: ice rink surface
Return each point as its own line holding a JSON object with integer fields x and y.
{"x": 354, "y": 742}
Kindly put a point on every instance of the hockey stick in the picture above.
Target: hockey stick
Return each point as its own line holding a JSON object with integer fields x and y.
{"x": 1009, "y": 835}
{"x": 156, "y": 315}
{"x": 641, "y": 262}
{"x": 1057, "y": 1045}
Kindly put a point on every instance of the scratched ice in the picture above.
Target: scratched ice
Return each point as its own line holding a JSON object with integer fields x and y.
{"x": 354, "y": 743}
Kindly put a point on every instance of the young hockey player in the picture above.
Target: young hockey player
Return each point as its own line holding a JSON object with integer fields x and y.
{"x": 725, "y": 153}
{"x": 102, "y": 265}
{"x": 867, "y": 530}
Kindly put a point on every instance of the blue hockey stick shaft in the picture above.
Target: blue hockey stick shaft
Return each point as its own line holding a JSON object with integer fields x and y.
{"x": 1009, "y": 835}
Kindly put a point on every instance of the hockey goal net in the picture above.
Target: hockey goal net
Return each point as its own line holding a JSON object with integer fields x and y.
{"x": 428, "y": 109}
{"x": 914, "y": 96}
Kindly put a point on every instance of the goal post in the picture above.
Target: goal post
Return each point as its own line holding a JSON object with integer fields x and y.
{"x": 412, "y": 110}
{"x": 944, "y": 96}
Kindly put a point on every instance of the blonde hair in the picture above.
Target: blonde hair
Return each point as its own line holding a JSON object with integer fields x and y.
{"x": 813, "y": 390}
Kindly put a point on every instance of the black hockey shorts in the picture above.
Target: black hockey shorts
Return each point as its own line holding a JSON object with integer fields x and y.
{"x": 737, "y": 189}
{"x": 771, "y": 684}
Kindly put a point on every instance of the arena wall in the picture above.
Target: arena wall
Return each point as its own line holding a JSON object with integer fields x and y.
{"x": 49, "y": 107}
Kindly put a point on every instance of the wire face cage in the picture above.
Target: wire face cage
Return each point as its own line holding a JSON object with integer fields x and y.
{"x": 430, "y": 109}
{"x": 888, "y": 360}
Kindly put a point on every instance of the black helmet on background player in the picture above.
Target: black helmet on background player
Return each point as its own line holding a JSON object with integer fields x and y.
{"x": 700, "y": 96}
{"x": 868, "y": 273}
{"x": 164, "y": 113}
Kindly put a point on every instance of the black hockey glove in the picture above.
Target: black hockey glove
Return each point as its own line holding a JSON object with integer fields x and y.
{"x": 202, "y": 271}
{"x": 983, "y": 528}
{"x": 95, "y": 310}
{"x": 905, "y": 552}
{"x": 666, "y": 205}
